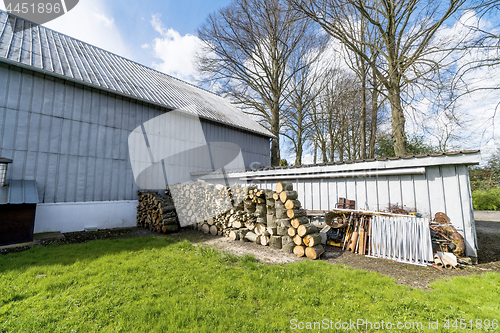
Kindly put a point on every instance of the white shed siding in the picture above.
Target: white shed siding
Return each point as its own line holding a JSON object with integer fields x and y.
{"x": 441, "y": 189}
{"x": 432, "y": 184}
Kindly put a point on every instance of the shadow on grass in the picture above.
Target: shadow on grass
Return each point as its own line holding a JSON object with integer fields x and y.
{"x": 68, "y": 254}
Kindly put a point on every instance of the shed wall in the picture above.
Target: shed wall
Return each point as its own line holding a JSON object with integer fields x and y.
{"x": 72, "y": 139}
{"x": 442, "y": 188}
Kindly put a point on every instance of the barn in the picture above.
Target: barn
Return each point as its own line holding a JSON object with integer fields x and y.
{"x": 70, "y": 112}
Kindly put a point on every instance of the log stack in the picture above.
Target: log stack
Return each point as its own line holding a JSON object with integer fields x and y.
{"x": 156, "y": 212}
{"x": 269, "y": 218}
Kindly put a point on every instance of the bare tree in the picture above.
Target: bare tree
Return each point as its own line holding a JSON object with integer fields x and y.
{"x": 308, "y": 81}
{"x": 406, "y": 28}
{"x": 246, "y": 49}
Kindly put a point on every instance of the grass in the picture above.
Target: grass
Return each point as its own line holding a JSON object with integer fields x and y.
{"x": 158, "y": 285}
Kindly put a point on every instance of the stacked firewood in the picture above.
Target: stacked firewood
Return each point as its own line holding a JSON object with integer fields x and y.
{"x": 302, "y": 237}
{"x": 156, "y": 212}
{"x": 269, "y": 218}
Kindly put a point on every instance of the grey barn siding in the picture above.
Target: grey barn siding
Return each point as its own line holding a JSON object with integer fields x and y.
{"x": 72, "y": 139}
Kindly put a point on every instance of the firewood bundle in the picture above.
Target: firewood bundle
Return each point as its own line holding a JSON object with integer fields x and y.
{"x": 302, "y": 236}
{"x": 156, "y": 212}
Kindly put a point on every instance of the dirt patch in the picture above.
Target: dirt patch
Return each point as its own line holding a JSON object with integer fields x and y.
{"x": 415, "y": 276}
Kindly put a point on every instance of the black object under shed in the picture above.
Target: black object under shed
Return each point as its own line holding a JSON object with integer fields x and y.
{"x": 18, "y": 200}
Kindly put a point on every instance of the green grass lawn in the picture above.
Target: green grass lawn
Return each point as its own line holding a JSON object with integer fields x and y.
{"x": 158, "y": 284}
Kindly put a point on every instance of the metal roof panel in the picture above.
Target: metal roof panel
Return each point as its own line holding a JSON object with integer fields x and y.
{"x": 81, "y": 62}
{"x": 19, "y": 192}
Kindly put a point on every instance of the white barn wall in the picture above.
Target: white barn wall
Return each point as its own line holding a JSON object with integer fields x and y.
{"x": 77, "y": 216}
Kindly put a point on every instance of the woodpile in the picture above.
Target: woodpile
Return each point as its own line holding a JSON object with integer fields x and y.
{"x": 156, "y": 212}
{"x": 269, "y": 218}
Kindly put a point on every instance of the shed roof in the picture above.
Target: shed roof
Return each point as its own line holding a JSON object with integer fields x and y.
{"x": 412, "y": 163}
{"x": 38, "y": 48}
{"x": 19, "y": 192}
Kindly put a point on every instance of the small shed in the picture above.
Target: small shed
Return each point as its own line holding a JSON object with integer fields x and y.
{"x": 18, "y": 200}
{"x": 426, "y": 184}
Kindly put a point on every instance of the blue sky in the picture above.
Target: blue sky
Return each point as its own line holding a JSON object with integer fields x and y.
{"x": 166, "y": 43}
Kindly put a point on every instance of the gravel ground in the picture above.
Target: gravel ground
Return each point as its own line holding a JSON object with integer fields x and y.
{"x": 416, "y": 276}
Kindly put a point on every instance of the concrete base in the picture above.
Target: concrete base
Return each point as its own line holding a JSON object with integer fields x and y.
{"x": 11, "y": 246}
{"x": 78, "y": 216}
{"x": 487, "y": 215}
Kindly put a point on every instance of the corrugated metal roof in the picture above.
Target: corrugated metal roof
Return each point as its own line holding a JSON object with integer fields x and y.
{"x": 19, "y": 192}
{"x": 42, "y": 49}
{"x": 371, "y": 160}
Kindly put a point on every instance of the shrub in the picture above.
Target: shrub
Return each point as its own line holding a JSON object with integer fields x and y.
{"x": 486, "y": 200}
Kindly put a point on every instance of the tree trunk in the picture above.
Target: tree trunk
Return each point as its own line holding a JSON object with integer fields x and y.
{"x": 362, "y": 116}
{"x": 275, "y": 143}
{"x": 397, "y": 121}
{"x": 374, "y": 115}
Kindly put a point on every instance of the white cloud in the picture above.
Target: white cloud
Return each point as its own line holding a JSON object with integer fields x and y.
{"x": 90, "y": 22}
{"x": 108, "y": 22}
{"x": 175, "y": 52}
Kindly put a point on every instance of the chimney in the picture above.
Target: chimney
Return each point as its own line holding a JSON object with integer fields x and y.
{"x": 3, "y": 170}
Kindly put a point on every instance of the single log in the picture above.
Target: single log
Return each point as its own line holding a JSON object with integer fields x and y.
{"x": 211, "y": 221}
{"x": 285, "y": 223}
{"x": 284, "y": 186}
{"x": 213, "y": 230}
{"x": 205, "y": 228}
{"x": 292, "y": 204}
{"x": 243, "y": 232}
{"x": 250, "y": 225}
{"x": 264, "y": 240}
{"x": 273, "y": 231}
{"x": 262, "y": 220}
{"x": 282, "y": 231}
{"x": 306, "y": 229}
{"x": 275, "y": 242}
{"x": 288, "y": 248}
{"x": 296, "y": 222}
{"x": 288, "y": 195}
{"x": 250, "y": 236}
{"x": 281, "y": 214}
{"x": 257, "y": 240}
{"x": 170, "y": 220}
{"x": 260, "y": 228}
{"x": 315, "y": 252}
{"x": 169, "y": 228}
{"x": 299, "y": 251}
{"x": 298, "y": 240}
{"x": 276, "y": 196}
{"x": 295, "y": 213}
{"x": 238, "y": 224}
{"x": 271, "y": 220}
{"x": 292, "y": 231}
{"x": 312, "y": 240}
{"x": 234, "y": 235}
{"x": 279, "y": 205}
{"x": 287, "y": 240}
